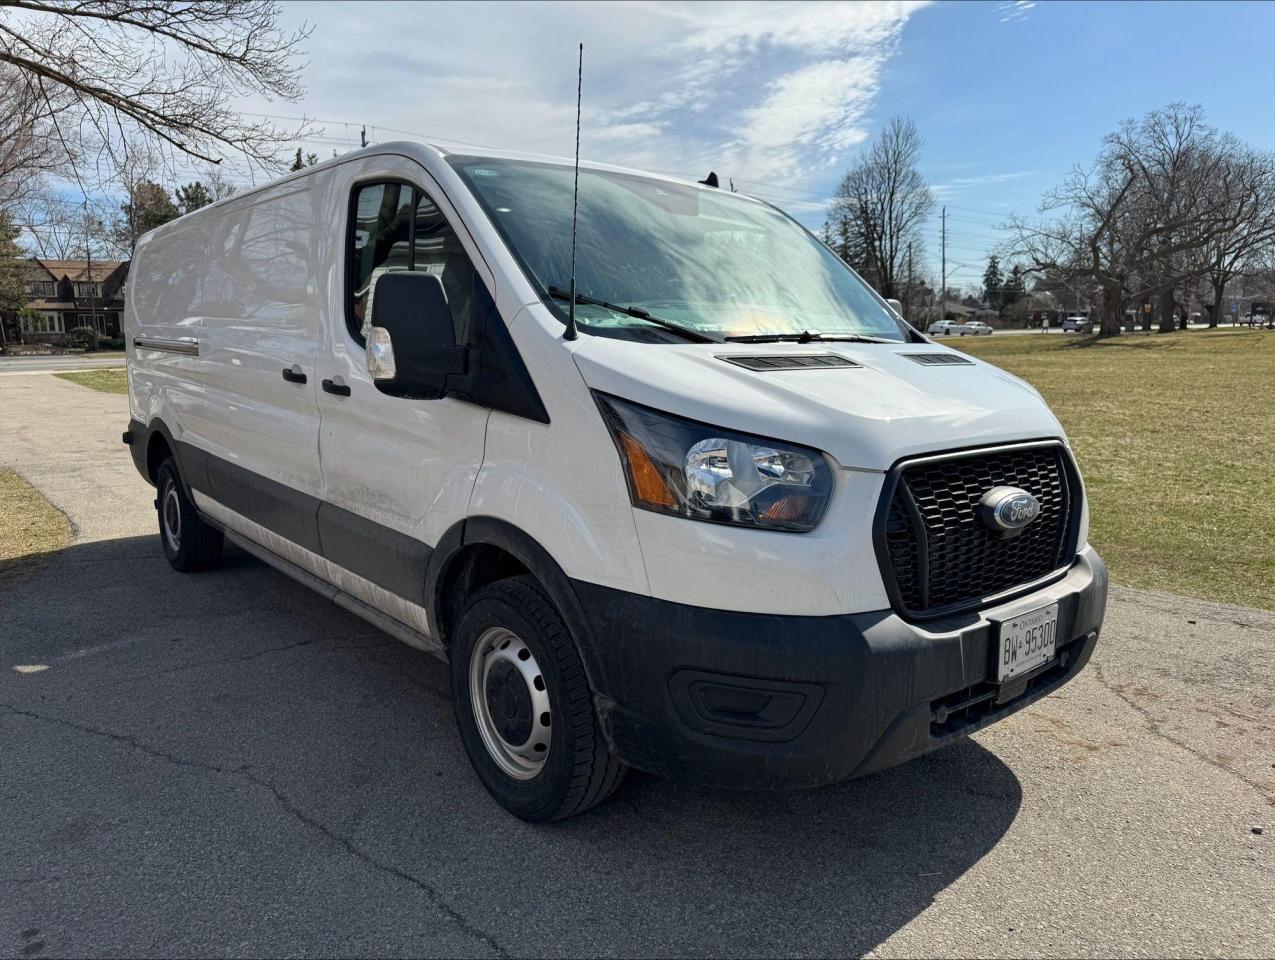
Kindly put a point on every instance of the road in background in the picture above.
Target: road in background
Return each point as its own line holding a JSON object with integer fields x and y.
{"x": 59, "y": 362}
{"x": 224, "y": 763}
{"x": 1058, "y": 331}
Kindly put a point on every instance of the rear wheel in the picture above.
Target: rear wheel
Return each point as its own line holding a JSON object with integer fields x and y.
{"x": 189, "y": 543}
{"x": 524, "y": 707}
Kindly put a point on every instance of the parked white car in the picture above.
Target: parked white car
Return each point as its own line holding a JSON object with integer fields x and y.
{"x": 974, "y": 328}
{"x": 1077, "y": 325}
{"x": 942, "y": 328}
{"x": 663, "y": 523}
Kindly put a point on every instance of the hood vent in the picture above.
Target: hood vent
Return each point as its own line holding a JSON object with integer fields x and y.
{"x": 938, "y": 359}
{"x": 791, "y": 361}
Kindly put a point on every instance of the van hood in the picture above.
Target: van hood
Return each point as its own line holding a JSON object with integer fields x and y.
{"x": 867, "y": 416}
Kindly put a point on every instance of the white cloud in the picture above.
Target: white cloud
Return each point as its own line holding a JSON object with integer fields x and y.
{"x": 956, "y": 184}
{"x": 1014, "y": 11}
{"x": 759, "y": 91}
{"x": 807, "y": 113}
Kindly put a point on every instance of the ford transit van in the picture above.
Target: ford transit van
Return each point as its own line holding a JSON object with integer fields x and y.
{"x": 724, "y": 517}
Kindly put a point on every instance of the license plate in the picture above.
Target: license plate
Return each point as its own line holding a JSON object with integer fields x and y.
{"x": 1027, "y": 641}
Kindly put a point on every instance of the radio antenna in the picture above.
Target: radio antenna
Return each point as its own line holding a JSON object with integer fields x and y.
{"x": 570, "y": 332}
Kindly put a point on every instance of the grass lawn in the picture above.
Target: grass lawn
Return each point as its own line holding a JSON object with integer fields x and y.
{"x": 1175, "y": 435}
{"x": 108, "y": 380}
{"x": 30, "y": 527}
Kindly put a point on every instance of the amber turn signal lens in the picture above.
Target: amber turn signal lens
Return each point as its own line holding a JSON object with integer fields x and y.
{"x": 648, "y": 485}
{"x": 789, "y": 509}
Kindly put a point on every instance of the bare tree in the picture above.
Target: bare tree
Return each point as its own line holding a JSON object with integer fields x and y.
{"x": 118, "y": 76}
{"x": 1247, "y": 184}
{"x": 1079, "y": 236}
{"x": 881, "y": 207}
{"x": 1184, "y": 197}
{"x": 58, "y": 230}
{"x": 1140, "y": 220}
{"x": 28, "y": 149}
{"x": 13, "y": 293}
{"x": 218, "y": 185}
{"x": 53, "y": 231}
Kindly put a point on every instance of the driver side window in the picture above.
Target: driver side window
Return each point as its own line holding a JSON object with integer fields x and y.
{"x": 395, "y": 226}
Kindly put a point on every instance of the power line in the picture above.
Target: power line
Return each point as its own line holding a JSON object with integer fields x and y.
{"x": 994, "y": 213}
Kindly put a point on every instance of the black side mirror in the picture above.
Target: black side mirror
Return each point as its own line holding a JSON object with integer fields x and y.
{"x": 412, "y": 348}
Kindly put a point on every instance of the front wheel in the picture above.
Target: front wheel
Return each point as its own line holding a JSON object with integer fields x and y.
{"x": 524, "y": 707}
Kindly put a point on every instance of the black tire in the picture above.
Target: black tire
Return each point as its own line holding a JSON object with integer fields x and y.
{"x": 578, "y": 770}
{"x": 188, "y": 542}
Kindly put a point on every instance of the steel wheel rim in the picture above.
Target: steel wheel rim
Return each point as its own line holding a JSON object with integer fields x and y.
{"x": 508, "y": 693}
{"x": 171, "y": 517}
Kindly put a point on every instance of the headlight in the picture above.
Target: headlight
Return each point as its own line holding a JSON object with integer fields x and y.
{"x": 693, "y": 470}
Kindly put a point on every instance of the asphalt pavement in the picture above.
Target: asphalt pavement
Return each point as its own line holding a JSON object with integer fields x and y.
{"x": 225, "y": 764}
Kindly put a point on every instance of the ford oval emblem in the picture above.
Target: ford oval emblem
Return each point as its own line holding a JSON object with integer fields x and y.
{"x": 1008, "y": 510}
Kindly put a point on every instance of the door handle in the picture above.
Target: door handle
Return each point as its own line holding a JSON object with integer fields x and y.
{"x": 293, "y": 374}
{"x": 340, "y": 389}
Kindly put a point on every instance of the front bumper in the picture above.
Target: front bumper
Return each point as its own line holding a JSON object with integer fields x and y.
{"x": 771, "y": 702}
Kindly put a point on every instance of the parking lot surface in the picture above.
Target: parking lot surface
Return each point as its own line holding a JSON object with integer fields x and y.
{"x": 226, "y": 764}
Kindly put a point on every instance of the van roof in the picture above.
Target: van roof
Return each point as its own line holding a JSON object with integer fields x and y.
{"x": 421, "y": 151}
{"x": 450, "y": 148}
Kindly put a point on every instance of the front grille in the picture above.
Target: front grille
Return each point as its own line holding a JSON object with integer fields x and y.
{"x": 942, "y": 557}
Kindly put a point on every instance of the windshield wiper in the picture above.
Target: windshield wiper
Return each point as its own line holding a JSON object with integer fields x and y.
{"x": 637, "y": 312}
{"x": 807, "y": 336}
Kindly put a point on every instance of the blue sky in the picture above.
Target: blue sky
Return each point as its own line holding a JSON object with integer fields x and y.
{"x": 783, "y": 97}
{"x": 1008, "y": 107}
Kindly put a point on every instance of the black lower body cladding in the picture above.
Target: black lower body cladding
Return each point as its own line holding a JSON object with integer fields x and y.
{"x": 392, "y": 560}
{"x": 771, "y": 702}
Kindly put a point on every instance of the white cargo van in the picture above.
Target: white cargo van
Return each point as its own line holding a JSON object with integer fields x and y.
{"x": 747, "y": 528}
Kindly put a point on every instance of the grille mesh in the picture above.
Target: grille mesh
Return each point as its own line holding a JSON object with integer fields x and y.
{"x": 942, "y": 555}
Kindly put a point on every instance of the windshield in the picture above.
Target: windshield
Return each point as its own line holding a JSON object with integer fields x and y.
{"x": 720, "y": 264}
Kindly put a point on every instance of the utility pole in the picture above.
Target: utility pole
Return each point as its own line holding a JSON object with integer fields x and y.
{"x": 907, "y": 302}
{"x": 943, "y": 246}
{"x": 88, "y": 258}
{"x": 363, "y": 135}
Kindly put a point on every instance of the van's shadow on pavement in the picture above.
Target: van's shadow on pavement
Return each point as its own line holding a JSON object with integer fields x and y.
{"x": 226, "y": 763}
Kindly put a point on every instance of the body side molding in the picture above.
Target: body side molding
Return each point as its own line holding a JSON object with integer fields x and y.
{"x": 399, "y": 617}
{"x": 188, "y": 347}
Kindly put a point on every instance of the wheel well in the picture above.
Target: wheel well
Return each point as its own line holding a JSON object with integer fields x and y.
{"x": 157, "y": 451}
{"x": 473, "y": 567}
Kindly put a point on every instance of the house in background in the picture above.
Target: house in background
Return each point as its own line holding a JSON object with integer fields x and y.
{"x": 65, "y": 294}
